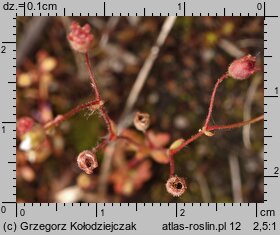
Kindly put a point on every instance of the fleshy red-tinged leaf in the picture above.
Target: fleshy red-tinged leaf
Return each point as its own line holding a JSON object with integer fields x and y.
{"x": 127, "y": 181}
{"x": 158, "y": 139}
{"x": 160, "y": 156}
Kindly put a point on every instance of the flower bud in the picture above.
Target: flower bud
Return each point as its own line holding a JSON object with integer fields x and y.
{"x": 87, "y": 161}
{"x": 242, "y": 68}
{"x": 24, "y": 125}
{"x": 141, "y": 121}
{"x": 176, "y": 186}
{"x": 80, "y": 38}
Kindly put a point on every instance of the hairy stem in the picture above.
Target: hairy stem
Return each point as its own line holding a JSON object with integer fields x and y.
{"x": 222, "y": 78}
{"x": 102, "y": 110}
{"x": 186, "y": 142}
{"x": 171, "y": 164}
{"x": 92, "y": 78}
{"x": 238, "y": 124}
{"x": 108, "y": 123}
{"x": 101, "y": 145}
{"x": 94, "y": 105}
{"x": 212, "y": 128}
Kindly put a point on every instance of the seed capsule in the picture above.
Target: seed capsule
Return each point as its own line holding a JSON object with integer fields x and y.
{"x": 176, "y": 186}
{"x": 87, "y": 161}
{"x": 141, "y": 121}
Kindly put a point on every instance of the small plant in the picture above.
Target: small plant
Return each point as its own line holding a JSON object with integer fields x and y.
{"x": 34, "y": 135}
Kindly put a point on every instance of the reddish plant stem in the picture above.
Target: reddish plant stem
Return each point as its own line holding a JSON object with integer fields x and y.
{"x": 101, "y": 145}
{"x": 172, "y": 152}
{"x": 186, "y": 142}
{"x": 222, "y": 78}
{"x": 108, "y": 123}
{"x": 171, "y": 164}
{"x": 236, "y": 125}
{"x": 61, "y": 118}
{"x": 103, "y": 112}
{"x": 92, "y": 78}
{"x": 212, "y": 128}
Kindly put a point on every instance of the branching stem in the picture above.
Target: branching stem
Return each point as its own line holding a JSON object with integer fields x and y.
{"x": 93, "y": 105}
{"x": 102, "y": 110}
{"x": 200, "y": 133}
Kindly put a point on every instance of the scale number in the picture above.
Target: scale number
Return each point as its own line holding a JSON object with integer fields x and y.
{"x": 3, "y": 49}
{"x": 3, "y": 209}
{"x": 259, "y": 6}
{"x": 102, "y": 212}
{"x": 22, "y": 212}
{"x": 182, "y": 212}
{"x": 276, "y": 170}
{"x": 181, "y": 5}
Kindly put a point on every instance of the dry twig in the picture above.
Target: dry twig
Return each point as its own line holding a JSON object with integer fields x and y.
{"x": 145, "y": 70}
{"x": 247, "y": 110}
{"x": 235, "y": 178}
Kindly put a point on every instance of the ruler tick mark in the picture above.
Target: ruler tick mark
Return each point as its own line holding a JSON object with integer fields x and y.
{"x": 96, "y": 210}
